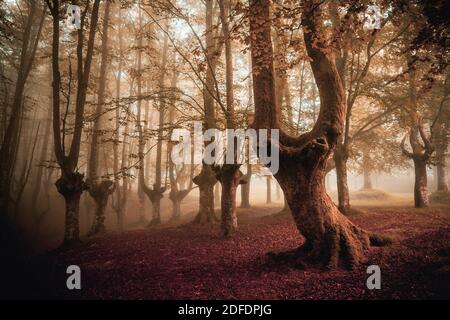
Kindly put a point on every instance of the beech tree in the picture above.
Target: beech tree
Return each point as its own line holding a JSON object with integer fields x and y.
{"x": 330, "y": 238}
{"x": 206, "y": 179}
{"x": 100, "y": 189}
{"x": 440, "y": 129}
{"x": 33, "y": 22}
{"x": 71, "y": 183}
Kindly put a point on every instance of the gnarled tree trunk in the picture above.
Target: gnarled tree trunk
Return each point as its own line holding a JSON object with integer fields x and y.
{"x": 330, "y": 238}
{"x": 420, "y": 155}
{"x": 100, "y": 190}
{"x": 205, "y": 180}
{"x": 420, "y": 183}
{"x": 230, "y": 177}
{"x": 71, "y": 185}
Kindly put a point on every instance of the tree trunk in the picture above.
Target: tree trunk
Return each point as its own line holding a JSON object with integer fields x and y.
{"x": 367, "y": 180}
{"x": 99, "y": 191}
{"x": 42, "y": 158}
{"x": 245, "y": 188}
{"x": 441, "y": 146}
{"x": 341, "y": 177}
{"x": 441, "y": 170}
{"x": 277, "y": 192}
{"x": 71, "y": 185}
{"x": 206, "y": 181}
{"x": 176, "y": 208}
{"x": 217, "y": 193}
{"x": 156, "y": 206}
{"x": 229, "y": 175}
{"x": 121, "y": 191}
{"x": 142, "y": 142}
{"x": 421, "y": 152}
{"x": 420, "y": 183}
{"x": 268, "y": 189}
{"x": 367, "y": 172}
{"x": 330, "y": 238}
{"x": 158, "y": 189}
{"x": 30, "y": 39}
{"x": 230, "y": 178}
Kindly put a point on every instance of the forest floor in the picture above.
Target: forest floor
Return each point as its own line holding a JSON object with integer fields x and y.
{"x": 192, "y": 262}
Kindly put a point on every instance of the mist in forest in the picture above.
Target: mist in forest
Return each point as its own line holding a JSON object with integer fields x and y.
{"x": 94, "y": 93}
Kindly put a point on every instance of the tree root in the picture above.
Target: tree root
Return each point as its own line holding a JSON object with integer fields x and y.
{"x": 378, "y": 240}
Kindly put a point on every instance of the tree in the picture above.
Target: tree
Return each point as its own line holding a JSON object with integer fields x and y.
{"x": 206, "y": 179}
{"x": 33, "y": 23}
{"x": 177, "y": 193}
{"x": 440, "y": 129}
{"x": 99, "y": 189}
{"x": 155, "y": 194}
{"x": 330, "y": 238}
{"x": 420, "y": 155}
{"x": 71, "y": 182}
{"x": 229, "y": 175}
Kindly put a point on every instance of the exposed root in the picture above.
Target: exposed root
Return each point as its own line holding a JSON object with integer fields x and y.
{"x": 297, "y": 258}
{"x": 345, "y": 246}
{"x": 378, "y": 240}
{"x": 351, "y": 211}
{"x": 341, "y": 247}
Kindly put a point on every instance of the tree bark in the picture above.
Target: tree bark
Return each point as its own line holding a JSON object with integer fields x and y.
{"x": 229, "y": 177}
{"x": 420, "y": 155}
{"x": 340, "y": 160}
{"x": 142, "y": 142}
{"x": 441, "y": 146}
{"x": 71, "y": 185}
{"x": 441, "y": 168}
{"x": 217, "y": 193}
{"x": 330, "y": 238}
{"x": 119, "y": 198}
{"x": 156, "y": 194}
{"x": 245, "y": 188}
{"x": 268, "y": 189}
{"x": 420, "y": 183}
{"x": 42, "y": 158}
{"x": 30, "y": 39}
{"x": 206, "y": 181}
{"x": 367, "y": 172}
